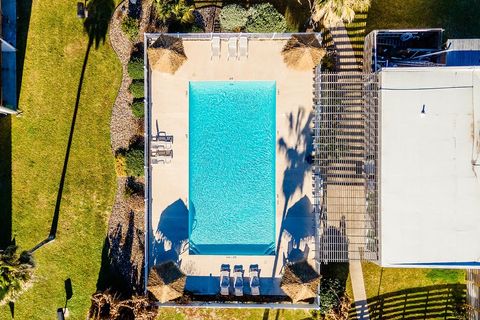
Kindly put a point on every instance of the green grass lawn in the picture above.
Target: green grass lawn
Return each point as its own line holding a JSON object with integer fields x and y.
{"x": 393, "y": 279}
{"x": 459, "y": 18}
{"x": 56, "y": 48}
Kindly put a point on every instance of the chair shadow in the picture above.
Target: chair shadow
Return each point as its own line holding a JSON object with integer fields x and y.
{"x": 96, "y": 27}
{"x": 433, "y": 302}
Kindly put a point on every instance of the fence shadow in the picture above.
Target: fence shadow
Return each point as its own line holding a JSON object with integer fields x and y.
{"x": 432, "y": 302}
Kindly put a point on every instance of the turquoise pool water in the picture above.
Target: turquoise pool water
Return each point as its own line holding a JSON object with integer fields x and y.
{"x": 232, "y": 167}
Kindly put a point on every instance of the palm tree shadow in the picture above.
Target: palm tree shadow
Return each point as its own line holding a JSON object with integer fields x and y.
{"x": 299, "y": 159}
{"x": 96, "y": 27}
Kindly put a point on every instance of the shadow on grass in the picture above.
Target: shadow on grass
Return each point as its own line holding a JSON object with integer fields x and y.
{"x": 24, "y": 11}
{"x": 96, "y": 26}
{"x": 432, "y": 302}
{"x": 5, "y": 181}
{"x": 117, "y": 272}
{"x": 458, "y": 18}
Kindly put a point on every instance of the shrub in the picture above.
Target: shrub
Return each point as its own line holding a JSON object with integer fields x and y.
{"x": 174, "y": 11}
{"x": 134, "y": 161}
{"x": 331, "y": 292}
{"x": 138, "y": 109}
{"x": 137, "y": 89}
{"x": 16, "y": 273}
{"x": 265, "y": 18}
{"x": 130, "y": 27}
{"x": 233, "y": 18}
{"x": 135, "y": 68}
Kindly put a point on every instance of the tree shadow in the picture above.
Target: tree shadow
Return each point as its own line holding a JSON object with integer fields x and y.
{"x": 117, "y": 272}
{"x": 5, "y": 181}
{"x": 171, "y": 233}
{"x": 433, "y": 302}
{"x": 96, "y": 27}
{"x": 299, "y": 163}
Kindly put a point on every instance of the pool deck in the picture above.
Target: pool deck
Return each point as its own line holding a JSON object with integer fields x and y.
{"x": 169, "y": 182}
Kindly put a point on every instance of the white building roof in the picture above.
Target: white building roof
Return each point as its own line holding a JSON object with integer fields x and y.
{"x": 429, "y": 185}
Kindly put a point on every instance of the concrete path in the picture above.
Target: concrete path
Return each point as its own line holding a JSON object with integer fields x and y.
{"x": 358, "y": 286}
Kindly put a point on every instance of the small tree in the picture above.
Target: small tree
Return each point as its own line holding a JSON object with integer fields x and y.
{"x": 265, "y": 18}
{"x": 233, "y": 18}
{"x": 174, "y": 11}
{"x": 130, "y": 27}
{"x": 137, "y": 89}
{"x": 16, "y": 273}
{"x": 135, "y": 68}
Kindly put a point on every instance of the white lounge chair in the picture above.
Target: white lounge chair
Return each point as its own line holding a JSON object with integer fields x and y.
{"x": 243, "y": 47}
{"x": 225, "y": 280}
{"x": 232, "y": 48}
{"x": 215, "y": 48}
{"x": 238, "y": 280}
{"x": 254, "y": 280}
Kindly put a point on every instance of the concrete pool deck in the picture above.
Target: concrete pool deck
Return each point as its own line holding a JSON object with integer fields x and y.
{"x": 168, "y": 225}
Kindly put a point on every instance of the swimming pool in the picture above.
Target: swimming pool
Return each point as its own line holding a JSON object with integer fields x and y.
{"x": 232, "y": 167}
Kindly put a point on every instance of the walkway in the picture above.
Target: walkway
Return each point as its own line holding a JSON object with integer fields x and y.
{"x": 348, "y": 64}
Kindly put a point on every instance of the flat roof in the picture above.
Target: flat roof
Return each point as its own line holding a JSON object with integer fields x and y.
{"x": 429, "y": 185}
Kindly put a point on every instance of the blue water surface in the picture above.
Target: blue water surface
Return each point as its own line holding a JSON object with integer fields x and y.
{"x": 232, "y": 167}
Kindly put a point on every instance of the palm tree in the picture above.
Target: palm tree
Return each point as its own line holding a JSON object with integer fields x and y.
{"x": 16, "y": 273}
{"x": 333, "y": 13}
{"x": 174, "y": 11}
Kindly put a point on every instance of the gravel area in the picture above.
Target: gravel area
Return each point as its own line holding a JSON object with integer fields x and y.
{"x": 126, "y": 238}
{"x": 123, "y": 125}
{"x": 125, "y": 226}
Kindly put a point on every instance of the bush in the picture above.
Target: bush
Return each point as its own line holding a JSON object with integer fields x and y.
{"x": 135, "y": 68}
{"x": 130, "y": 27}
{"x": 138, "y": 109}
{"x": 264, "y": 18}
{"x": 233, "y": 18}
{"x": 174, "y": 11}
{"x": 134, "y": 161}
{"x": 331, "y": 292}
{"x": 137, "y": 89}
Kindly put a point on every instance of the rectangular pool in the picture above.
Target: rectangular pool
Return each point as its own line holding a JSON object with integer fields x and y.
{"x": 232, "y": 167}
